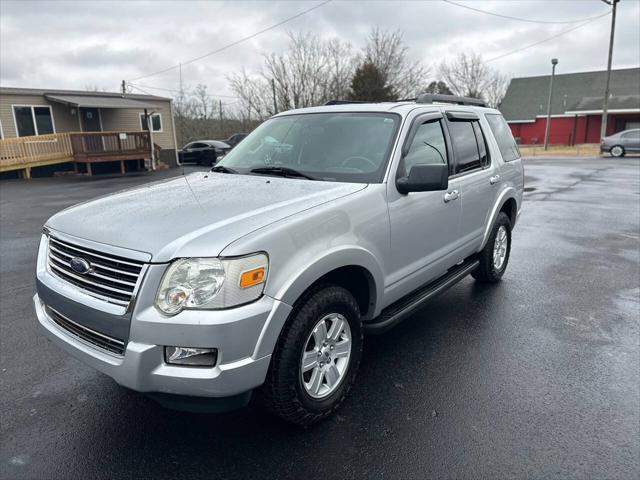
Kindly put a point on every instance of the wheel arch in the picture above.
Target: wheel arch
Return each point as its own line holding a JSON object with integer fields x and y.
{"x": 344, "y": 267}
{"x": 354, "y": 268}
{"x": 506, "y": 203}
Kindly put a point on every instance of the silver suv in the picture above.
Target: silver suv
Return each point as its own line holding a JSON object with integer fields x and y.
{"x": 322, "y": 225}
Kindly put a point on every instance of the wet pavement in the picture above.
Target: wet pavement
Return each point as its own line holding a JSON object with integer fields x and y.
{"x": 537, "y": 377}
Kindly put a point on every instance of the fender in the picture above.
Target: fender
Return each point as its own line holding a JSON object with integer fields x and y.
{"x": 348, "y": 255}
{"x": 307, "y": 274}
{"x": 505, "y": 195}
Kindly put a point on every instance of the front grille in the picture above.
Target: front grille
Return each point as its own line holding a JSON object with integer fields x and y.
{"x": 111, "y": 278}
{"x": 100, "y": 340}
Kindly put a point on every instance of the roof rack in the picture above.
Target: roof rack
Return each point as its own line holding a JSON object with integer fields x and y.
{"x": 439, "y": 98}
{"x": 343, "y": 102}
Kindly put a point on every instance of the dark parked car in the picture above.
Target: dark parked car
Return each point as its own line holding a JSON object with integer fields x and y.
{"x": 205, "y": 152}
{"x": 235, "y": 139}
{"x": 627, "y": 141}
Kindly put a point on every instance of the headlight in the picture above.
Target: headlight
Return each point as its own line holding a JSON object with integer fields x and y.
{"x": 211, "y": 283}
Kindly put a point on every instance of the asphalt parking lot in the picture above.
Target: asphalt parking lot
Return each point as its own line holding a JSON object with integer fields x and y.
{"x": 536, "y": 377}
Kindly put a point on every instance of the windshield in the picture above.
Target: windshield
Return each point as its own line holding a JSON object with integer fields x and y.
{"x": 343, "y": 147}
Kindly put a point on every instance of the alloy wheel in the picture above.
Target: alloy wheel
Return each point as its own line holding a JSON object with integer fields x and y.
{"x": 500, "y": 248}
{"x": 326, "y": 355}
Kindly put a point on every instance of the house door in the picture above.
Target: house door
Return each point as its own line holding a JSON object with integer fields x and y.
{"x": 90, "y": 118}
{"x": 90, "y": 122}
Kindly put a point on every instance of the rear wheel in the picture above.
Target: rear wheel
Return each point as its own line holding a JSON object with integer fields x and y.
{"x": 617, "y": 151}
{"x": 494, "y": 257}
{"x": 317, "y": 357}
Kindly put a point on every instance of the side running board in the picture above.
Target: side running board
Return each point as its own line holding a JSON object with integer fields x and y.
{"x": 398, "y": 311}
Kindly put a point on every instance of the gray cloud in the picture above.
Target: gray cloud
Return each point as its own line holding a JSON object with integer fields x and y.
{"x": 75, "y": 44}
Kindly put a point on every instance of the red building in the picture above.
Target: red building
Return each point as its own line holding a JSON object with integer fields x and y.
{"x": 576, "y": 106}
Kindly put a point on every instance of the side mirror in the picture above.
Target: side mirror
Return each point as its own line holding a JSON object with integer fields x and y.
{"x": 424, "y": 178}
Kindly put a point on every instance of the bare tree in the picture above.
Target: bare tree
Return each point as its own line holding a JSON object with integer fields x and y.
{"x": 95, "y": 88}
{"x": 469, "y": 76}
{"x": 308, "y": 73}
{"x": 496, "y": 89}
{"x": 386, "y": 50}
{"x": 299, "y": 72}
{"x": 203, "y": 103}
{"x": 341, "y": 65}
{"x": 253, "y": 95}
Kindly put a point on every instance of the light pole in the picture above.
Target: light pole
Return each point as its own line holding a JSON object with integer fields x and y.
{"x": 605, "y": 102}
{"x": 554, "y": 62}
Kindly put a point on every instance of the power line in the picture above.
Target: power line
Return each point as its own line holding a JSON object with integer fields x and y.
{"x": 233, "y": 44}
{"x": 519, "y": 18}
{"x": 138, "y": 88}
{"x": 173, "y": 90}
{"x": 546, "y": 39}
{"x": 147, "y": 93}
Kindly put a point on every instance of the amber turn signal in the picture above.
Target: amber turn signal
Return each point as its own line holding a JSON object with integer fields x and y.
{"x": 252, "y": 277}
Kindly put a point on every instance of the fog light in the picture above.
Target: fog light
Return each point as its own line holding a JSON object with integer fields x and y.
{"x": 198, "y": 357}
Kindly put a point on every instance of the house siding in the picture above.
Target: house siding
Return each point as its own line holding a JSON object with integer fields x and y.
{"x": 121, "y": 119}
{"x": 63, "y": 120}
{"x": 113, "y": 119}
{"x": 568, "y": 130}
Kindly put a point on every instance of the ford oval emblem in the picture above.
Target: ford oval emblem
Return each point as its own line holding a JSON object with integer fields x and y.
{"x": 80, "y": 265}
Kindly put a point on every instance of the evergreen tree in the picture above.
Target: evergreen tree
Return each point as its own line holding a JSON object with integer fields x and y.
{"x": 369, "y": 84}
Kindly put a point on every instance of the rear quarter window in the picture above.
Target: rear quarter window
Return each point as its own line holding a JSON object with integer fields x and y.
{"x": 503, "y": 136}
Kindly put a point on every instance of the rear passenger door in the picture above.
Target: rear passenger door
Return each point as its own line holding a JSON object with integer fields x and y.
{"x": 477, "y": 178}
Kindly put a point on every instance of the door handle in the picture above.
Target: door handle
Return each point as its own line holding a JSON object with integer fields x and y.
{"x": 452, "y": 195}
{"x": 495, "y": 179}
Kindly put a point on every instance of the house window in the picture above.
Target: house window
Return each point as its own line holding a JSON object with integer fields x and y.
{"x": 156, "y": 122}
{"x": 33, "y": 120}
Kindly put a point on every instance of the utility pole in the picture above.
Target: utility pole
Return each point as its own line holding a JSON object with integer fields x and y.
{"x": 554, "y": 62}
{"x": 220, "y": 111}
{"x": 275, "y": 102}
{"x": 605, "y": 102}
{"x": 124, "y": 88}
{"x": 181, "y": 106}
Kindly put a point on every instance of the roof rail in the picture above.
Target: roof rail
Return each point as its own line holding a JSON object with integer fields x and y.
{"x": 343, "y": 102}
{"x": 439, "y": 98}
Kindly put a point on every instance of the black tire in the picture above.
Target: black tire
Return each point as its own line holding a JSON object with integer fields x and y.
{"x": 283, "y": 393}
{"x": 487, "y": 271}
{"x": 617, "y": 151}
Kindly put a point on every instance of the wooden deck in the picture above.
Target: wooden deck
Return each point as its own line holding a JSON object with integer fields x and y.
{"x": 25, "y": 153}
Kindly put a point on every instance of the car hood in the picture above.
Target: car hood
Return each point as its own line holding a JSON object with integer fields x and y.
{"x": 194, "y": 215}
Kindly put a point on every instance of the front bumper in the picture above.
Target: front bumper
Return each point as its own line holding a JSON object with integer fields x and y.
{"x": 244, "y": 336}
{"x": 142, "y": 367}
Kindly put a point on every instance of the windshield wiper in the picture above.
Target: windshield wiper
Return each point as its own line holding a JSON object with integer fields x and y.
{"x": 282, "y": 171}
{"x": 223, "y": 169}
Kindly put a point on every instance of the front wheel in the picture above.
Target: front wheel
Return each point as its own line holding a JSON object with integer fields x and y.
{"x": 317, "y": 357}
{"x": 494, "y": 257}
{"x": 617, "y": 151}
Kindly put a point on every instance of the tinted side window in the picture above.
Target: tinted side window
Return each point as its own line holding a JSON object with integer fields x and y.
{"x": 465, "y": 145}
{"x": 482, "y": 145}
{"x": 503, "y": 136}
{"x": 427, "y": 147}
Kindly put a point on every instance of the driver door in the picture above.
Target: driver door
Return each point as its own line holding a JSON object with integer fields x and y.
{"x": 425, "y": 226}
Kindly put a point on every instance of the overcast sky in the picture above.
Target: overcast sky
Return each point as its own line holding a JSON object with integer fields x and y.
{"x": 50, "y": 44}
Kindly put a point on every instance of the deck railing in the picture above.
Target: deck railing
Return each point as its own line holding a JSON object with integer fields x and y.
{"x": 15, "y": 153}
{"x": 113, "y": 145}
{"x": 24, "y": 153}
